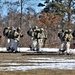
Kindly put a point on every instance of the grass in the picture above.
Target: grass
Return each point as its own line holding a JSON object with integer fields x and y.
{"x": 39, "y": 72}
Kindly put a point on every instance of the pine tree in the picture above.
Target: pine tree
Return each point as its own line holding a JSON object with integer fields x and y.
{"x": 63, "y": 8}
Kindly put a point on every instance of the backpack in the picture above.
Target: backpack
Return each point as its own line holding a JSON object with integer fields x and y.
{"x": 61, "y": 35}
{"x": 73, "y": 34}
{"x": 4, "y": 31}
{"x": 11, "y": 34}
{"x": 30, "y": 32}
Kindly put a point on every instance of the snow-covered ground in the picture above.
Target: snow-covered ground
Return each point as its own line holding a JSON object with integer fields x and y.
{"x": 39, "y": 63}
{"x": 23, "y": 49}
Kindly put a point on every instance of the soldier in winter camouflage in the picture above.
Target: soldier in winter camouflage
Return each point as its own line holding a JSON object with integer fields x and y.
{"x": 13, "y": 35}
{"x": 62, "y": 41}
{"x": 40, "y": 40}
{"x": 37, "y": 38}
{"x": 68, "y": 37}
{"x": 35, "y": 30}
{"x": 65, "y": 42}
{"x": 6, "y": 32}
{"x": 17, "y": 36}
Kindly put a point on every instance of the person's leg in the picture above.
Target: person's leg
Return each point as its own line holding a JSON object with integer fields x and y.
{"x": 34, "y": 44}
{"x": 16, "y": 46}
{"x": 8, "y": 44}
{"x": 61, "y": 48}
{"x": 68, "y": 48}
{"x": 12, "y": 45}
{"x": 40, "y": 44}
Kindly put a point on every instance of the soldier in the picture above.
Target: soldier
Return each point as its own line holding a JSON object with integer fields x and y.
{"x": 68, "y": 37}
{"x": 13, "y": 35}
{"x": 17, "y": 36}
{"x": 34, "y": 38}
{"x": 12, "y": 39}
{"x": 40, "y": 39}
{"x": 6, "y": 32}
{"x": 62, "y": 41}
{"x": 37, "y": 38}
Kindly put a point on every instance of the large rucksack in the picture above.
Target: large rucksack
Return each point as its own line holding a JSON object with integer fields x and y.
{"x": 61, "y": 35}
{"x": 11, "y": 34}
{"x": 4, "y": 31}
{"x": 30, "y": 32}
{"x": 73, "y": 34}
{"x": 8, "y": 32}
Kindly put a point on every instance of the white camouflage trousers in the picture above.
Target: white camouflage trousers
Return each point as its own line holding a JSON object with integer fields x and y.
{"x": 37, "y": 44}
{"x": 65, "y": 46}
{"x": 62, "y": 46}
{"x": 8, "y": 41}
{"x": 68, "y": 48}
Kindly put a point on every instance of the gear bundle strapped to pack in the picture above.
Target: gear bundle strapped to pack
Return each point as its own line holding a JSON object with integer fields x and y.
{"x": 11, "y": 33}
{"x": 61, "y": 34}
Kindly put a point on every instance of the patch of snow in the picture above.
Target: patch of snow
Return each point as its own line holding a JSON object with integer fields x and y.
{"x": 23, "y": 49}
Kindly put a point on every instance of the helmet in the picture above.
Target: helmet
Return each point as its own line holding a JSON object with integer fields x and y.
{"x": 70, "y": 30}
{"x": 8, "y": 27}
{"x": 18, "y": 29}
{"x": 66, "y": 31}
{"x": 42, "y": 29}
{"x": 36, "y": 27}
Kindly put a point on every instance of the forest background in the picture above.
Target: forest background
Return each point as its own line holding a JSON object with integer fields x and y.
{"x": 52, "y": 15}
